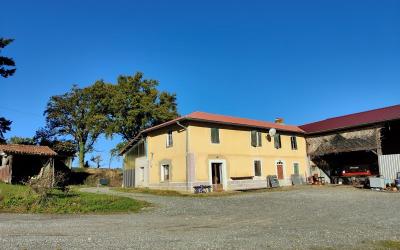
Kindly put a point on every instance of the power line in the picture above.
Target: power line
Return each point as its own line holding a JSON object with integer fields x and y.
{"x": 22, "y": 112}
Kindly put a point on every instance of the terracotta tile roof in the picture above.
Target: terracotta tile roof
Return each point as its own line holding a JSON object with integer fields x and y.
{"x": 223, "y": 119}
{"x": 228, "y": 120}
{"x": 353, "y": 120}
{"x": 27, "y": 149}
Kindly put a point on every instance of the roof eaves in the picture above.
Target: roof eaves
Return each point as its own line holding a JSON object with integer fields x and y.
{"x": 348, "y": 127}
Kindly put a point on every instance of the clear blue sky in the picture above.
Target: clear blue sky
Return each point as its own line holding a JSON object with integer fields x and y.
{"x": 301, "y": 60}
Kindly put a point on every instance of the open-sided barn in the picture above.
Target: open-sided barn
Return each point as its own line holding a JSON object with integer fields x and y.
{"x": 367, "y": 140}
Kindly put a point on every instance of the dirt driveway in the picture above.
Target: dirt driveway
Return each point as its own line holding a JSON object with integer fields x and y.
{"x": 306, "y": 218}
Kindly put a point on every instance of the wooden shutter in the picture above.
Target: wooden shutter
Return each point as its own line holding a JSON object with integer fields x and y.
{"x": 259, "y": 139}
{"x": 293, "y": 142}
{"x": 277, "y": 141}
{"x": 254, "y": 138}
{"x": 214, "y": 135}
{"x": 257, "y": 168}
{"x": 296, "y": 168}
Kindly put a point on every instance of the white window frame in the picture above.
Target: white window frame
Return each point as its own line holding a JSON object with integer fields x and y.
{"x": 224, "y": 175}
{"x": 163, "y": 173}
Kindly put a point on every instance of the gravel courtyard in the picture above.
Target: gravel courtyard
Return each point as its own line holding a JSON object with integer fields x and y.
{"x": 305, "y": 218}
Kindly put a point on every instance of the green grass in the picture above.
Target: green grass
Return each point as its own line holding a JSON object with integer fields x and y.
{"x": 21, "y": 199}
{"x": 387, "y": 244}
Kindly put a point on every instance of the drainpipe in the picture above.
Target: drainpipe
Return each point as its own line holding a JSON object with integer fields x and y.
{"x": 188, "y": 171}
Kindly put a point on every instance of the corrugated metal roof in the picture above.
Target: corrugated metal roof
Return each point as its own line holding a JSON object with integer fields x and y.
{"x": 27, "y": 149}
{"x": 353, "y": 120}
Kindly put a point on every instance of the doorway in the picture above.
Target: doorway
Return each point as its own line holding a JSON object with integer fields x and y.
{"x": 217, "y": 175}
{"x": 279, "y": 170}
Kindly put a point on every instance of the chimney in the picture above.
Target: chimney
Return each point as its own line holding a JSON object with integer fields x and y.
{"x": 279, "y": 120}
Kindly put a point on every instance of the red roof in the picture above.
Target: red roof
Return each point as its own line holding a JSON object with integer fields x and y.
{"x": 27, "y": 149}
{"x": 229, "y": 120}
{"x": 353, "y": 120}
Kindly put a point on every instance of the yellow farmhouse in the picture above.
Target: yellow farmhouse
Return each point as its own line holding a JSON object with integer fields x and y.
{"x": 227, "y": 153}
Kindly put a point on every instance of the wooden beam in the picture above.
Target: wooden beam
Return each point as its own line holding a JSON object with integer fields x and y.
{"x": 378, "y": 141}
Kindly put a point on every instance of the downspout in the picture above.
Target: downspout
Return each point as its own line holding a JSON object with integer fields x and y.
{"x": 188, "y": 172}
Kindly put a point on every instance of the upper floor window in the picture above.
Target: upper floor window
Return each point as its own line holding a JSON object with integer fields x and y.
{"x": 256, "y": 138}
{"x": 293, "y": 142}
{"x": 169, "y": 139}
{"x": 214, "y": 135}
{"x": 277, "y": 141}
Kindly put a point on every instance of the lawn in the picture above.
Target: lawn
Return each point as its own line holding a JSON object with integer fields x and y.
{"x": 21, "y": 199}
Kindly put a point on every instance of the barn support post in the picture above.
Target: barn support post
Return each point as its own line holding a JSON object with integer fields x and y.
{"x": 378, "y": 147}
{"x": 53, "y": 173}
{"x": 378, "y": 142}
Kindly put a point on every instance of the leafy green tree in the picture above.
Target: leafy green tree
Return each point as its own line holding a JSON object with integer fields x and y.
{"x": 80, "y": 114}
{"x": 21, "y": 140}
{"x": 7, "y": 64}
{"x": 137, "y": 104}
{"x": 47, "y": 137}
{"x": 5, "y": 125}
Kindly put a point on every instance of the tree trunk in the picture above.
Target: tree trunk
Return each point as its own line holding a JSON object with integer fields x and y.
{"x": 81, "y": 155}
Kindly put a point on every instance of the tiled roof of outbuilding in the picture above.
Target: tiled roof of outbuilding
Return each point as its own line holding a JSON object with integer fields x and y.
{"x": 27, "y": 149}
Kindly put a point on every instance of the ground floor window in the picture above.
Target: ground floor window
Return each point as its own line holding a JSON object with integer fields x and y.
{"x": 257, "y": 168}
{"x": 296, "y": 168}
{"x": 165, "y": 174}
{"x": 142, "y": 174}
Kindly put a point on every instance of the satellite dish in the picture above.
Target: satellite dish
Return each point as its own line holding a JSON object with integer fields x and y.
{"x": 272, "y": 132}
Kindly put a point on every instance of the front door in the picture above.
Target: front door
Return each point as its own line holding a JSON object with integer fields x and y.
{"x": 279, "y": 170}
{"x": 216, "y": 174}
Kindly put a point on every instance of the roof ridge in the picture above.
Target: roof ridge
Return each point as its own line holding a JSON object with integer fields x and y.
{"x": 237, "y": 117}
